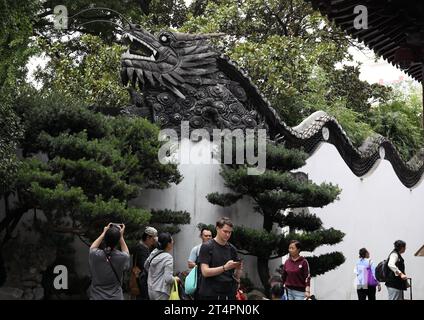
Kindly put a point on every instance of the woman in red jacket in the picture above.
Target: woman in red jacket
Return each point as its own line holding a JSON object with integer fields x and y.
{"x": 296, "y": 274}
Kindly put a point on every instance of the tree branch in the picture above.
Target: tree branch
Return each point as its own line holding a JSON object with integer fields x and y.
{"x": 67, "y": 230}
{"x": 10, "y": 228}
{"x": 13, "y": 213}
{"x": 83, "y": 241}
{"x": 145, "y": 6}
{"x": 246, "y": 253}
{"x": 45, "y": 14}
{"x": 274, "y": 257}
{"x": 6, "y": 203}
{"x": 280, "y": 22}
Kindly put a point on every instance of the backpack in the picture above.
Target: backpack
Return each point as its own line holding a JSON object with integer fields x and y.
{"x": 134, "y": 284}
{"x": 381, "y": 271}
{"x": 192, "y": 279}
{"x": 144, "y": 291}
{"x": 190, "y": 283}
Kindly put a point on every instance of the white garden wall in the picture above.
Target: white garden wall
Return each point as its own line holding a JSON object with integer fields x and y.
{"x": 373, "y": 211}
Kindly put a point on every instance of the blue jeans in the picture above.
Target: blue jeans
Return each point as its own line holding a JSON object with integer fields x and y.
{"x": 295, "y": 295}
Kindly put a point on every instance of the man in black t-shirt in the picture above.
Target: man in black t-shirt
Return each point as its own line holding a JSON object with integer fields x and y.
{"x": 220, "y": 265}
{"x": 142, "y": 251}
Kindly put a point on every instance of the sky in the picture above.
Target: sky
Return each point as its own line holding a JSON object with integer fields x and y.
{"x": 379, "y": 71}
{"x": 372, "y": 71}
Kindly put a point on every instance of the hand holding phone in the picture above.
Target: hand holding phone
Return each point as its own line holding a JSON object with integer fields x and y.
{"x": 239, "y": 262}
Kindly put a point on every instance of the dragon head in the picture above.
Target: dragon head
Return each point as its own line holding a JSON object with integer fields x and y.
{"x": 184, "y": 78}
{"x": 170, "y": 59}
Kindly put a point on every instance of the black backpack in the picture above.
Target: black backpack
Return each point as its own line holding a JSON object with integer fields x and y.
{"x": 144, "y": 291}
{"x": 381, "y": 271}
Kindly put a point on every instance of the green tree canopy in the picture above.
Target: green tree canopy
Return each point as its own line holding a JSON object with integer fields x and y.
{"x": 301, "y": 63}
{"x": 95, "y": 165}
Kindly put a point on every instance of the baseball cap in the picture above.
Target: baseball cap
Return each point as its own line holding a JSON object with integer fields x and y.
{"x": 151, "y": 231}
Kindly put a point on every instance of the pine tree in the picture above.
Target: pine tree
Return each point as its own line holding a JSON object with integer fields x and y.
{"x": 276, "y": 193}
{"x": 80, "y": 169}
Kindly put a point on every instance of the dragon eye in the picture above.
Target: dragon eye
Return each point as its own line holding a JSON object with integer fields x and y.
{"x": 164, "y": 38}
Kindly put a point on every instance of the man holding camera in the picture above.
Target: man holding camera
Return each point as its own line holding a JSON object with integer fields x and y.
{"x": 108, "y": 264}
{"x": 220, "y": 265}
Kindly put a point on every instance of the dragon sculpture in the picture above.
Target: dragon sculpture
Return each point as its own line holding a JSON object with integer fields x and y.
{"x": 182, "y": 77}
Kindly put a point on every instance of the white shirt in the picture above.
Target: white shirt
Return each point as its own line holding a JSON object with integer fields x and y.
{"x": 393, "y": 259}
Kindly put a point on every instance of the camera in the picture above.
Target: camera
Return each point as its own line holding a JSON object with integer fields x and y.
{"x": 116, "y": 225}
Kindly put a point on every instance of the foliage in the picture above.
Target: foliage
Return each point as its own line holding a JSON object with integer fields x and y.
{"x": 400, "y": 120}
{"x": 93, "y": 166}
{"x": 301, "y": 63}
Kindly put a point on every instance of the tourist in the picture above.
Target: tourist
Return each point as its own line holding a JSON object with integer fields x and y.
{"x": 160, "y": 269}
{"x": 220, "y": 265}
{"x": 366, "y": 282}
{"x": 396, "y": 281}
{"x": 296, "y": 274}
{"x": 107, "y": 265}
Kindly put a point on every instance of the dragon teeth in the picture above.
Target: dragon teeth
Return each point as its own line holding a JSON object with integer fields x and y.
{"x": 128, "y": 55}
{"x": 130, "y": 72}
{"x": 139, "y": 74}
{"x": 124, "y": 76}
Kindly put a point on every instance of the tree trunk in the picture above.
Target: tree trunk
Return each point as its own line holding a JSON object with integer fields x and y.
{"x": 145, "y": 6}
{"x": 263, "y": 268}
{"x": 3, "y": 274}
{"x": 263, "y": 271}
{"x": 10, "y": 222}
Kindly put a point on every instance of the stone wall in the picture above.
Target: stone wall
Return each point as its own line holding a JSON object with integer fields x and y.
{"x": 26, "y": 261}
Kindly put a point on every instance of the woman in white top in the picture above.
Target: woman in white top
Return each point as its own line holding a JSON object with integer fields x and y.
{"x": 366, "y": 282}
{"x": 160, "y": 267}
